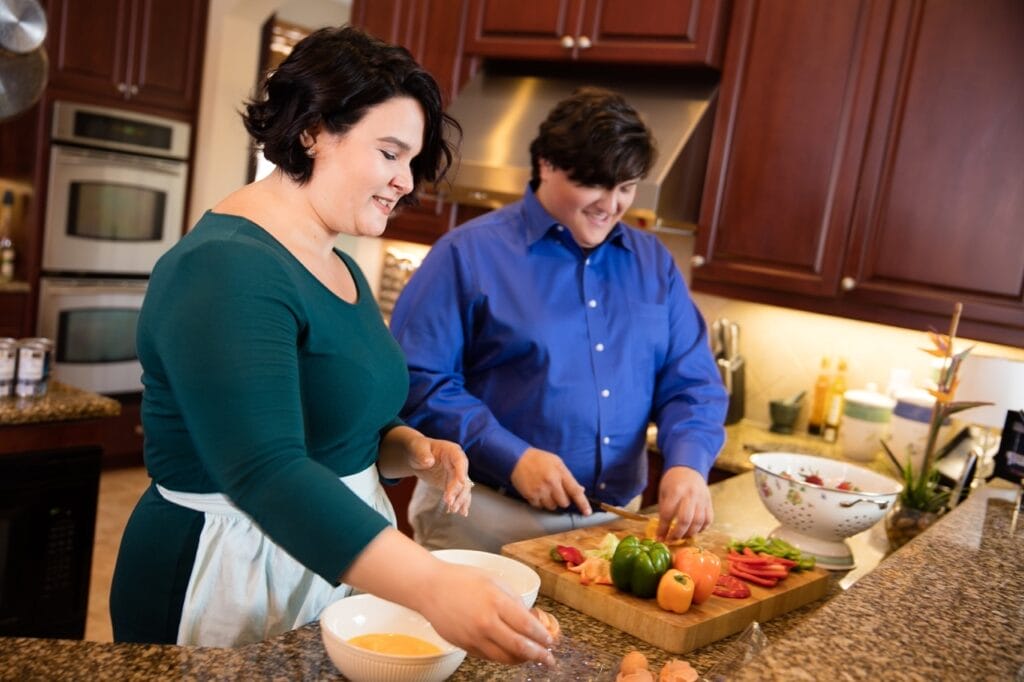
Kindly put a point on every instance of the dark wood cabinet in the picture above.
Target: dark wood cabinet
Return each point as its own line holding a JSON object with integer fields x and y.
{"x": 614, "y": 31}
{"x": 142, "y": 54}
{"x": 864, "y": 160}
{"x": 13, "y": 313}
{"x": 432, "y": 31}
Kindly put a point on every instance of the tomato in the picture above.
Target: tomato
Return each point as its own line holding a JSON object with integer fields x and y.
{"x": 703, "y": 566}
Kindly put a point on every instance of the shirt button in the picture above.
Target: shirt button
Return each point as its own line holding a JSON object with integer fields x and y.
{"x": 586, "y": 262}
{"x": 606, "y": 440}
{"x": 592, "y": 303}
{"x": 561, "y": 228}
{"x": 599, "y": 347}
{"x": 605, "y": 393}
{"x": 602, "y": 486}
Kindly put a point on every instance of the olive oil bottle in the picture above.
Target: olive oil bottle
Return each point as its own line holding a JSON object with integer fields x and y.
{"x": 819, "y": 400}
{"x": 834, "y": 411}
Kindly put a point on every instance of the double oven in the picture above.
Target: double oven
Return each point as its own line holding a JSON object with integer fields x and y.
{"x": 115, "y": 204}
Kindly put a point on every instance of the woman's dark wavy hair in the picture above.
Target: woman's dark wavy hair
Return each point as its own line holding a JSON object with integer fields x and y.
{"x": 332, "y": 78}
{"x": 596, "y": 138}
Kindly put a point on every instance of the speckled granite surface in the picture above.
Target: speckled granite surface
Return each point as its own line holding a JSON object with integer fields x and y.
{"x": 948, "y": 606}
{"x": 61, "y": 402}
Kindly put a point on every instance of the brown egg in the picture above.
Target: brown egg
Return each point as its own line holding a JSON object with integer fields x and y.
{"x": 632, "y": 662}
{"x": 678, "y": 670}
{"x": 549, "y": 622}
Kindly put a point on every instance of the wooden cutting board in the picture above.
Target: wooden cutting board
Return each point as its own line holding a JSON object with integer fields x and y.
{"x": 716, "y": 618}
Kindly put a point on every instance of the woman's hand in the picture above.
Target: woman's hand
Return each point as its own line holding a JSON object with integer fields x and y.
{"x": 444, "y": 465}
{"x": 474, "y": 612}
{"x": 405, "y": 451}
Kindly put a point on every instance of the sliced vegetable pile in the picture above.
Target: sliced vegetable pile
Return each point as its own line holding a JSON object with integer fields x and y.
{"x": 774, "y": 547}
{"x": 761, "y": 569}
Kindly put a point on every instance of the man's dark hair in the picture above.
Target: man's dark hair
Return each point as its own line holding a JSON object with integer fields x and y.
{"x": 596, "y": 138}
{"x": 332, "y": 78}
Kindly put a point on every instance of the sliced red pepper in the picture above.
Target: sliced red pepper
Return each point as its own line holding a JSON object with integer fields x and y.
{"x": 752, "y": 560}
{"x": 570, "y": 555}
{"x": 776, "y": 572}
{"x": 749, "y": 552}
{"x": 731, "y": 587}
{"x": 780, "y": 560}
{"x": 749, "y": 577}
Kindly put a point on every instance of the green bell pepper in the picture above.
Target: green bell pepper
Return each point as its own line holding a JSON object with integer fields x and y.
{"x": 638, "y": 565}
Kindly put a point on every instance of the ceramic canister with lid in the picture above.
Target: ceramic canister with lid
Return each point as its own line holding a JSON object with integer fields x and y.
{"x": 910, "y": 421}
{"x": 866, "y": 418}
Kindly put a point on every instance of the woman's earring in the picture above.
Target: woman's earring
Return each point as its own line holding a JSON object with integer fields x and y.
{"x": 310, "y": 152}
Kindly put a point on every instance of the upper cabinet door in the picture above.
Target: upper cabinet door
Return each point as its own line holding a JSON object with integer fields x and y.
{"x": 789, "y": 136}
{"x": 615, "y": 31}
{"x": 167, "y": 51}
{"x": 88, "y": 45}
{"x": 941, "y": 213}
{"x": 144, "y": 52}
{"x": 524, "y": 29}
{"x": 652, "y": 31}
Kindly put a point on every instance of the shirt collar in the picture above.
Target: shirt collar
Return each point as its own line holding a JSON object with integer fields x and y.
{"x": 539, "y": 223}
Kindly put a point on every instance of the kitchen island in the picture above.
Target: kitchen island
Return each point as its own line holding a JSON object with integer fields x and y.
{"x": 946, "y": 606}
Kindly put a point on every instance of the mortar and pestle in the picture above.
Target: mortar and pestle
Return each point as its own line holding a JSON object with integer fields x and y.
{"x": 784, "y": 413}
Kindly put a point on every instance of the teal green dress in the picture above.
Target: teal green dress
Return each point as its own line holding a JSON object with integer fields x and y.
{"x": 261, "y": 384}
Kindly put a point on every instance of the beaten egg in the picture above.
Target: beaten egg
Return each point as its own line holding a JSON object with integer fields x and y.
{"x": 395, "y": 644}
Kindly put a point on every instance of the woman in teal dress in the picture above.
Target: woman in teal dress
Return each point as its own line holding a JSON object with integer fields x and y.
{"x": 272, "y": 386}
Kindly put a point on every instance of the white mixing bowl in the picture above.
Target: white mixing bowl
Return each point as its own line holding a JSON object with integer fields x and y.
{"x": 523, "y": 580}
{"x": 365, "y": 614}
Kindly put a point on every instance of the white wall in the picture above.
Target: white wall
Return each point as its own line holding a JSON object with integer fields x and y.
{"x": 230, "y": 69}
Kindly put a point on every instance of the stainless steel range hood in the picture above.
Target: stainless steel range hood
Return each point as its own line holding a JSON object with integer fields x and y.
{"x": 500, "y": 115}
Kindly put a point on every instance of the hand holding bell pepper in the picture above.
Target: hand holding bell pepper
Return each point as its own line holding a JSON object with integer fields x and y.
{"x": 638, "y": 565}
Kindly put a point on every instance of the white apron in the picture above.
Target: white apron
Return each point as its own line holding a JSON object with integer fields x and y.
{"x": 244, "y": 588}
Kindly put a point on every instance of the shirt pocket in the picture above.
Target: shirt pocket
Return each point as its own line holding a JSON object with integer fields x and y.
{"x": 648, "y": 333}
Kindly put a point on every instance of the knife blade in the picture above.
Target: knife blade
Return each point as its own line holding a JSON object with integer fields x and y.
{"x": 618, "y": 511}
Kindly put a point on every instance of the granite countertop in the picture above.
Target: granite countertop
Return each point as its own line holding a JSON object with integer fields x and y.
{"x": 947, "y": 606}
{"x": 61, "y": 403}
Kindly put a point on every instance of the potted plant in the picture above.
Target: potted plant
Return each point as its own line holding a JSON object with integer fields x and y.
{"x": 923, "y": 500}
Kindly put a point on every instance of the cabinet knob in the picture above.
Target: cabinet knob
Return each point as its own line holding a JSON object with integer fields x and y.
{"x": 122, "y": 88}
{"x": 848, "y": 283}
{"x": 697, "y": 261}
{"x": 568, "y": 43}
{"x": 138, "y": 429}
{"x": 134, "y": 90}
{"x": 584, "y": 43}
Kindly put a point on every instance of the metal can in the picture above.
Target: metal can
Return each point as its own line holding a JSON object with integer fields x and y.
{"x": 8, "y": 365}
{"x": 33, "y": 363}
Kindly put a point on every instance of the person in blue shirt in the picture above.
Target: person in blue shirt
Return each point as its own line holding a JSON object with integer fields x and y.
{"x": 546, "y": 335}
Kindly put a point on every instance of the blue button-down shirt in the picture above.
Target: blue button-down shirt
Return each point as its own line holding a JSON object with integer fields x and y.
{"x": 515, "y": 337}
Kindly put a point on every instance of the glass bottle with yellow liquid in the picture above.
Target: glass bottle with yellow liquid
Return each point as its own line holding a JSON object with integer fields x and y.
{"x": 834, "y": 411}
{"x": 819, "y": 400}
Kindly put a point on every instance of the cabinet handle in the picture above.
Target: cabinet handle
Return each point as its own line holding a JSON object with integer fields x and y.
{"x": 122, "y": 88}
{"x": 138, "y": 429}
{"x": 584, "y": 43}
{"x": 568, "y": 43}
{"x": 697, "y": 261}
{"x": 134, "y": 90}
{"x": 848, "y": 283}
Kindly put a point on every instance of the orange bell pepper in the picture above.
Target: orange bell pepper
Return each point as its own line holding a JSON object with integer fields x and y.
{"x": 675, "y": 591}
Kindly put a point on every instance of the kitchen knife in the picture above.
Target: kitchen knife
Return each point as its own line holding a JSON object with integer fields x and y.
{"x": 618, "y": 511}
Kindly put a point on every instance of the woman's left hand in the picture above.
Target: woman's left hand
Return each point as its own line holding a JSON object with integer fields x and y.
{"x": 444, "y": 465}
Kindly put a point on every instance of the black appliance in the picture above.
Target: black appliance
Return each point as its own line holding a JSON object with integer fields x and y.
{"x": 47, "y": 524}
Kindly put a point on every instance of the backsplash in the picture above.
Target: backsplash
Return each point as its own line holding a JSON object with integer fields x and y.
{"x": 783, "y": 347}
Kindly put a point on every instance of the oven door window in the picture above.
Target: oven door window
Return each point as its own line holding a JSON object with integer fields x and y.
{"x": 97, "y": 335}
{"x": 115, "y": 212}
